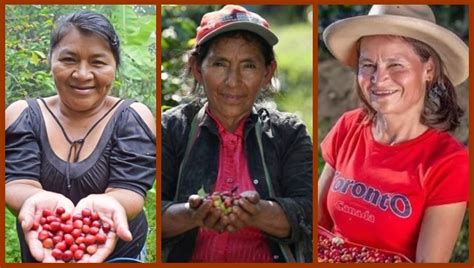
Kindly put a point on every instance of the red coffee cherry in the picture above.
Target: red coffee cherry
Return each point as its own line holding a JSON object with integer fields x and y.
{"x": 77, "y": 217}
{"x": 86, "y": 221}
{"x": 48, "y": 243}
{"x": 61, "y": 246}
{"x": 55, "y": 226}
{"x": 336, "y": 250}
{"x": 100, "y": 238}
{"x": 89, "y": 240}
{"x": 43, "y": 235}
{"x": 47, "y": 213}
{"x": 69, "y": 238}
{"x": 94, "y": 216}
{"x": 77, "y": 224}
{"x": 57, "y": 254}
{"x": 85, "y": 229}
{"x": 67, "y": 256}
{"x": 106, "y": 227}
{"x": 57, "y": 239}
{"x": 67, "y": 228}
{"x": 86, "y": 212}
{"x": 93, "y": 230}
{"x": 65, "y": 216}
{"x": 60, "y": 211}
{"x": 78, "y": 254}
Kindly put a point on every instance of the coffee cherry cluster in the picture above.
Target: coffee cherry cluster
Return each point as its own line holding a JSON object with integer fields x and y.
{"x": 224, "y": 201}
{"x": 70, "y": 237}
{"x": 336, "y": 250}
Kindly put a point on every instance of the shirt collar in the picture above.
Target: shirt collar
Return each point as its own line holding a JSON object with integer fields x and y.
{"x": 246, "y": 123}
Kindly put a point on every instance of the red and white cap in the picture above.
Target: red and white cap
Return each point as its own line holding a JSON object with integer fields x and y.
{"x": 231, "y": 18}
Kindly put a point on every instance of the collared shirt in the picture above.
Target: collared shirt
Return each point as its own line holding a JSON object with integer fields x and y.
{"x": 288, "y": 154}
{"x": 248, "y": 243}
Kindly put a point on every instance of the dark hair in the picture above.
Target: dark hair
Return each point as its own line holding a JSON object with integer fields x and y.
{"x": 200, "y": 52}
{"x": 441, "y": 110}
{"x": 87, "y": 22}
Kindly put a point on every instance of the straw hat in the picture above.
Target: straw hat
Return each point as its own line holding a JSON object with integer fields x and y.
{"x": 414, "y": 21}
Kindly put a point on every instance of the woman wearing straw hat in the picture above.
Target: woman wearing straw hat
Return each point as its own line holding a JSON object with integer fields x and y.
{"x": 224, "y": 141}
{"x": 394, "y": 178}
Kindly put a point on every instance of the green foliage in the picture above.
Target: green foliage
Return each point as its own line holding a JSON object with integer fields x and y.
{"x": 295, "y": 70}
{"x": 150, "y": 210}
{"x": 28, "y": 29}
{"x": 179, "y": 23}
{"x": 12, "y": 245}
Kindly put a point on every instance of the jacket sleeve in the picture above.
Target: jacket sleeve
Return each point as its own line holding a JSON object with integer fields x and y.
{"x": 172, "y": 128}
{"x": 295, "y": 187}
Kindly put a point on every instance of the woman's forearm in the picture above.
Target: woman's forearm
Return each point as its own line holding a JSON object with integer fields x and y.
{"x": 176, "y": 220}
{"x": 272, "y": 219}
{"x": 17, "y": 191}
{"x": 131, "y": 201}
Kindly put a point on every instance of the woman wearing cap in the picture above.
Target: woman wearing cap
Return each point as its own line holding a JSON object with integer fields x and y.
{"x": 394, "y": 178}
{"x": 229, "y": 143}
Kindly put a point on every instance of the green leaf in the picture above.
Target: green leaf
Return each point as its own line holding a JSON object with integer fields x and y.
{"x": 39, "y": 53}
{"x": 201, "y": 192}
{"x": 34, "y": 58}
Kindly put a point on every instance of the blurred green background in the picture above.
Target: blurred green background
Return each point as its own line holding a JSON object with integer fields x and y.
{"x": 335, "y": 85}
{"x": 294, "y": 53}
{"x": 27, "y": 33}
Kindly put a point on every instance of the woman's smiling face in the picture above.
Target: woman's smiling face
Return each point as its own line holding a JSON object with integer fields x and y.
{"x": 232, "y": 74}
{"x": 83, "y": 68}
{"x": 392, "y": 76}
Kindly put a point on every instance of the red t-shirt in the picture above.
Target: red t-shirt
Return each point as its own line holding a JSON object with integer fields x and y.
{"x": 379, "y": 192}
{"x": 248, "y": 244}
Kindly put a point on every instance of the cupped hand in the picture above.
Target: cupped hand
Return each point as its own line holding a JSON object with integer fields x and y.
{"x": 204, "y": 214}
{"x": 112, "y": 212}
{"x": 31, "y": 212}
{"x": 244, "y": 213}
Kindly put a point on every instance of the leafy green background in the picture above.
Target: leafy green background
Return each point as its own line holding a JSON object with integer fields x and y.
{"x": 28, "y": 29}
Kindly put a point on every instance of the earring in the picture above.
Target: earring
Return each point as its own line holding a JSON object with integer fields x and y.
{"x": 437, "y": 91}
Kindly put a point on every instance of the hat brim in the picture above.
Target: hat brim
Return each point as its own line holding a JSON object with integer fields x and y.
{"x": 266, "y": 34}
{"x": 341, "y": 38}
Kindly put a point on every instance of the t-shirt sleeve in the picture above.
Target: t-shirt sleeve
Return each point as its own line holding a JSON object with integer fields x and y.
{"x": 133, "y": 157}
{"x": 333, "y": 140}
{"x": 22, "y": 151}
{"x": 448, "y": 181}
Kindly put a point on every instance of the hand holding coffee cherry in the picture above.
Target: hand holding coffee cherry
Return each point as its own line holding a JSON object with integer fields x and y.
{"x": 30, "y": 215}
{"x": 245, "y": 211}
{"x": 201, "y": 213}
{"x": 71, "y": 237}
{"x": 110, "y": 211}
{"x": 224, "y": 201}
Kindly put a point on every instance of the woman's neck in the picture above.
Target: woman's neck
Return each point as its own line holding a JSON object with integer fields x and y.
{"x": 71, "y": 117}
{"x": 394, "y": 129}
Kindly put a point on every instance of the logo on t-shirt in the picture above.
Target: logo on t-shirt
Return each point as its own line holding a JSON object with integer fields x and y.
{"x": 396, "y": 203}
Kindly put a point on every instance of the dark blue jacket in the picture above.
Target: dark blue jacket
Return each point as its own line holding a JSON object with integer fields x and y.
{"x": 288, "y": 155}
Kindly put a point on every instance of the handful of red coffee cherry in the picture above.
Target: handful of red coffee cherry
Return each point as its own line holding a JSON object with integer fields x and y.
{"x": 71, "y": 236}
